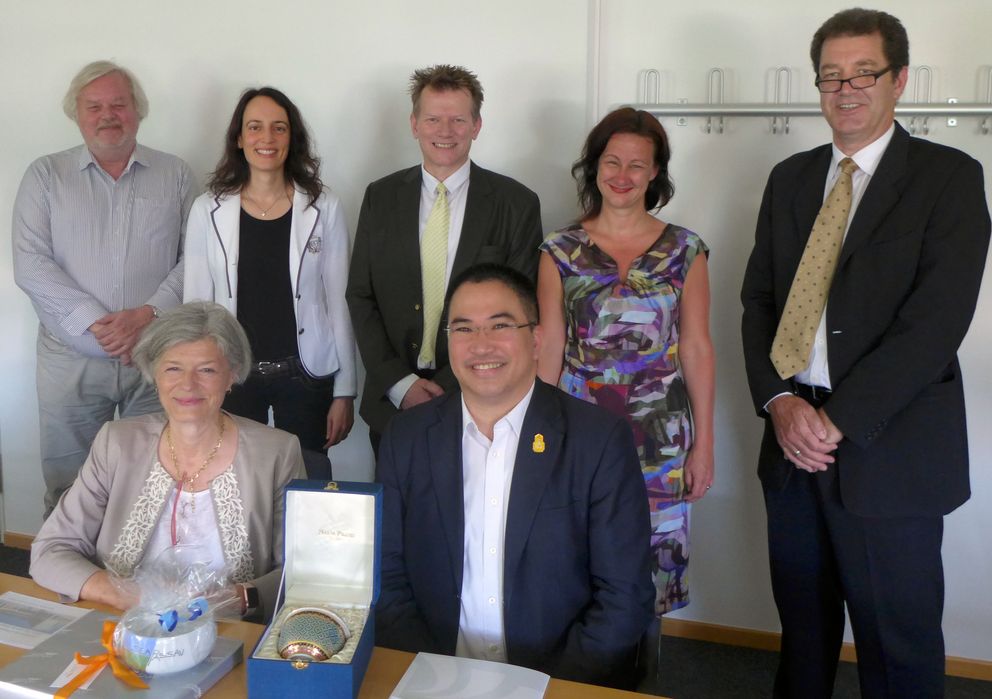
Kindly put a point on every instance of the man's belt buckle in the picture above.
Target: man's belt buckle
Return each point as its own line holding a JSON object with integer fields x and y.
{"x": 819, "y": 392}
{"x": 266, "y": 368}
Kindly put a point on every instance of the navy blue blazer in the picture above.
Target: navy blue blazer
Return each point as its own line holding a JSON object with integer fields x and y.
{"x": 576, "y": 581}
{"x": 900, "y": 303}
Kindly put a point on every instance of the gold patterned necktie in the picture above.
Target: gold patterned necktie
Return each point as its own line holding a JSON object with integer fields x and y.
{"x": 811, "y": 285}
{"x": 433, "y": 264}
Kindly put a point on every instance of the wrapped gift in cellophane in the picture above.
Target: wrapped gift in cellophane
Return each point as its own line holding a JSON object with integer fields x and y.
{"x": 174, "y": 625}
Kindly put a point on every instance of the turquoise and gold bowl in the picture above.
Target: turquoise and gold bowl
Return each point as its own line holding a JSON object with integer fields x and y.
{"x": 312, "y": 634}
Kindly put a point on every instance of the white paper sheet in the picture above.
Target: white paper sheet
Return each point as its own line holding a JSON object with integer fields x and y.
{"x": 433, "y": 676}
{"x": 27, "y": 621}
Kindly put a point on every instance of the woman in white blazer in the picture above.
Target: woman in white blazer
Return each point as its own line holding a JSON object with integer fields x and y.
{"x": 269, "y": 242}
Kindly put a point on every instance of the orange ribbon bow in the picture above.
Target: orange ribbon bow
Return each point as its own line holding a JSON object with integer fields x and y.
{"x": 94, "y": 663}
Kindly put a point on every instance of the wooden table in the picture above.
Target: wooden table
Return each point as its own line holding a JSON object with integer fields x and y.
{"x": 384, "y": 673}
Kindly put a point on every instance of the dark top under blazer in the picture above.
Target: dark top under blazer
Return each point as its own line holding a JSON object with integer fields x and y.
{"x": 900, "y": 303}
{"x": 577, "y": 587}
{"x": 385, "y": 293}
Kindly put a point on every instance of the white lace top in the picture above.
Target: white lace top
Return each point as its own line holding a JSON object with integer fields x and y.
{"x": 196, "y": 525}
{"x": 148, "y": 528}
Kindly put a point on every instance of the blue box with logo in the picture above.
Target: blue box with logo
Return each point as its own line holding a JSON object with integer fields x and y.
{"x": 324, "y": 621}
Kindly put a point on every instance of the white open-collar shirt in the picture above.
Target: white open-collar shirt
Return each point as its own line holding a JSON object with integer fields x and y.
{"x": 487, "y": 472}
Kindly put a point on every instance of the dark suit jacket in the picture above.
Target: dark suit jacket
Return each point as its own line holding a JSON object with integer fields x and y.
{"x": 901, "y": 300}
{"x": 577, "y": 587}
{"x": 385, "y": 293}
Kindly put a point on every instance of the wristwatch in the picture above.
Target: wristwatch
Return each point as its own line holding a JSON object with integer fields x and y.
{"x": 249, "y": 598}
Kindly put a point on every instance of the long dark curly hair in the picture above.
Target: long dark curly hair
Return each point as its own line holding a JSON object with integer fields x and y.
{"x": 302, "y": 166}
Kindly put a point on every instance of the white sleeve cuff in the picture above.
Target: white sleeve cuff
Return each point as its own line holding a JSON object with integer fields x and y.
{"x": 399, "y": 389}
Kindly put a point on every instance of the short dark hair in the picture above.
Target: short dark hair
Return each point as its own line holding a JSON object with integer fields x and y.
{"x": 517, "y": 282}
{"x": 860, "y": 22}
{"x": 443, "y": 77}
{"x": 302, "y": 166}
{"x": 623, "y": 120}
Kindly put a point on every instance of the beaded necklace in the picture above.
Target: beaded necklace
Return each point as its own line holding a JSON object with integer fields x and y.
{"x": 185, "y": 479}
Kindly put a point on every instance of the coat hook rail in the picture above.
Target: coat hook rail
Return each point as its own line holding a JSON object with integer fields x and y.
{"x": 763, "y": 109}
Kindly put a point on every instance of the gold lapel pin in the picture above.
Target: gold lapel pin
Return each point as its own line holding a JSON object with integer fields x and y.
{"x": 538, "y": 445}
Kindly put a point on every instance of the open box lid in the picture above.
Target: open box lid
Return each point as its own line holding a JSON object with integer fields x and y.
{"x": 332, "y": 541}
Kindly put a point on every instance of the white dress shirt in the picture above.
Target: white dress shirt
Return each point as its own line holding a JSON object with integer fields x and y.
{"x": 487, "y": 472}
{"x": 817, "y": 372}
{"x": 457, "y": 185}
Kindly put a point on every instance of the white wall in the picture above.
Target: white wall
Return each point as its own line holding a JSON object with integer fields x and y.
{"x": 719, "y": 180}
{"x": 346, "y": 66}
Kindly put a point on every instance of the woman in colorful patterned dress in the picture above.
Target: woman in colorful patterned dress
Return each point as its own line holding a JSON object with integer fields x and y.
{"x": 625, "y": 303}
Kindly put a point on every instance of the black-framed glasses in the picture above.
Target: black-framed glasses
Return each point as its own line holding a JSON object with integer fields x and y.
{"x": 494, "y": 330}
{"x": 858, "y": 82}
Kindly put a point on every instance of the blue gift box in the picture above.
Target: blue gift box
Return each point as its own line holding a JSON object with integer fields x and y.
{"x": 332, "y": 560}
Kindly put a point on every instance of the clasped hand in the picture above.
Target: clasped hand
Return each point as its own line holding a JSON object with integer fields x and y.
{"x": 119, "y": 332}
{"x": 808, "y": 437}
{"x": 421, "y": 391}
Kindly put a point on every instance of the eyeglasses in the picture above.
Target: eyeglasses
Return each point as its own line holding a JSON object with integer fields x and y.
{"x": 858, "y": 82}
{"x": 499, "y": 329}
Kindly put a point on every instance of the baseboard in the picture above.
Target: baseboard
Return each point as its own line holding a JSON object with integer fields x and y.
{"x": 770, "y": 640}
{"x": 18, "y": 541}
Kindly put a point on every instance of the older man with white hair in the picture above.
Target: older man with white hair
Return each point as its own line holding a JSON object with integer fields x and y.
{"x": 97, "y": 242}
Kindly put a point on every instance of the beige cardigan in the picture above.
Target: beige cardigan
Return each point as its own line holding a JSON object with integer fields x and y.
{"x": 108, "y": 515}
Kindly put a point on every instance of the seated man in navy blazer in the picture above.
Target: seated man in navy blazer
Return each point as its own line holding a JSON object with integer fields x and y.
{"x": 515, "y": 523}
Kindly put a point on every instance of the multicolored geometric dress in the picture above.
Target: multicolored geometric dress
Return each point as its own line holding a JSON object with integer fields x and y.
{"x": 622, "y": 353}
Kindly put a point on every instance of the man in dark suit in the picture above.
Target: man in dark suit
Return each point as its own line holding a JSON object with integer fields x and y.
{"x": 417, "y": 229}
{"x": 515, "y": 522}
{"x": 864, "y": 448}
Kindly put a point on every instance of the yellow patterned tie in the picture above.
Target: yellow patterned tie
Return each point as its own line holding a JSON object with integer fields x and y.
{"x": 811, "y": 285}
{"x": 433, "y": 264}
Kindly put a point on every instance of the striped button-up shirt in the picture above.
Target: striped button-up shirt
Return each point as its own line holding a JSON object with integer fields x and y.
{"x": 86, "y": 245}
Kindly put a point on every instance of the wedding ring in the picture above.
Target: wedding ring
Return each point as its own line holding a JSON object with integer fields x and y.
{"x": 797, "y": 453}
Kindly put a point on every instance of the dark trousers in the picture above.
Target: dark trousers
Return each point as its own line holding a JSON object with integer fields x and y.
{"x": 299, "y": 406}
{"x": 375, "y": 439}
{"x": 887, "y": 570}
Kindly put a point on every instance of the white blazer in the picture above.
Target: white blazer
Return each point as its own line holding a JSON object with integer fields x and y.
{"x": 318, "y": 272}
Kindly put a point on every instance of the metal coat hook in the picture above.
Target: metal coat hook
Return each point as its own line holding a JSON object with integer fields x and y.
{"x": 987, "y": 121}
{"x": 649, "y": 86}
{"x": 778, "y": 97}
{"x": 925, "y": 125}
{"x": 714, "y": 79}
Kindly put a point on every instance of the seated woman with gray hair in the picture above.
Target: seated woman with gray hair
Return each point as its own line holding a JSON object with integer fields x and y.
{"x": 192, "y": 475}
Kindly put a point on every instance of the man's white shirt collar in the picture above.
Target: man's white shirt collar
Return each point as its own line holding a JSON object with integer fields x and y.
{"x": 452, "y": 183}
{"x": 867, "y": 158}
{"x": 138, "y": 155}
{"x": 514, "y": 418}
